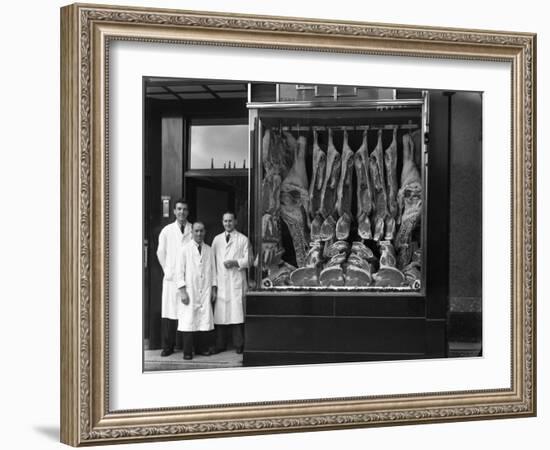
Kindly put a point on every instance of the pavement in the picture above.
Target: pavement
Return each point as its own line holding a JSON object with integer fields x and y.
{"x": 153, "y": 361}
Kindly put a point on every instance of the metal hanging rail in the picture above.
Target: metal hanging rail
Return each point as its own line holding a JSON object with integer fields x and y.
{"x": 350, "y": 127}
{"x": 346, "y": 104}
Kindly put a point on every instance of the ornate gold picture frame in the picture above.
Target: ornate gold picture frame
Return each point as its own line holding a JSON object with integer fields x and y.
{"x": 86, "y": 34}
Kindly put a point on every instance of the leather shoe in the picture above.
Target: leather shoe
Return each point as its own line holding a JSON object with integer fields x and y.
{"x": 239, "y": 350}
{"x": 166, "y": 352}
{"x": 187, "y": 356}
{"x": 205, "y": 353}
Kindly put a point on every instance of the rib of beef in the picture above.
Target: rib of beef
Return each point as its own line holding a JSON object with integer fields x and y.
{"x": 309, "y": 275}
{"x": 336, "y": 248}
{"x": 358, "y": 271}
{"x": 388, "y": 275}
{"x": 362, "y": 250}
{"x": 333, "y": 274}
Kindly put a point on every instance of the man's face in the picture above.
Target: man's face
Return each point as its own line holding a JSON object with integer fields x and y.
{"x": 198, "y": 232}
{"x": 229, "y": 222}
{"x": 181, "y": 210}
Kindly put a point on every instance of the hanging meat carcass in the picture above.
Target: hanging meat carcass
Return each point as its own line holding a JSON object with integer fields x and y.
{"x": 329, "y": 190}
{"x": 270, "y": 205}
{"x": 271, "y": 183}
{"x": 409, "y": 200}
{"x": 319, "y": 163}
{"x": 365, "y": 200}
{"x": 343, "y": 202}
{"x": 388, "y": 274}
{"x": 376, "y": 166}
{"x": 390, "y": 160}
{"x": 295, "y": 199}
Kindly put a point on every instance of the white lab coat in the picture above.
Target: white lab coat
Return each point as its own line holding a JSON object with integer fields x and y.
{"x": 197, "y": 272}
{"x": 232, "y": 286}
{"x": 171, "y": 241}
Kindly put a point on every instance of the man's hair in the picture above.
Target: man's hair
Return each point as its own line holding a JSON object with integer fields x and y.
{"x": 198, "y": 222}
{"x": 182, "y": 201}
{"x": 230, "y": 212}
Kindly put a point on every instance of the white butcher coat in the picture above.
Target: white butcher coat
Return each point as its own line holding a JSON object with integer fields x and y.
{"x": 171, "y": 241}
{"x": 232, "y": 286}
{"x": 197, "y": 272}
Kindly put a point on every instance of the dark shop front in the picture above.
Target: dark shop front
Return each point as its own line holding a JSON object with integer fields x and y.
{"x": 362, "y": 206}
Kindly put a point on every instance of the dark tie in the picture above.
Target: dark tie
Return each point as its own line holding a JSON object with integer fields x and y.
{"x": 226, "y": 237}
{"x": 199, "y": 247}
{"x": 181, "y": 227}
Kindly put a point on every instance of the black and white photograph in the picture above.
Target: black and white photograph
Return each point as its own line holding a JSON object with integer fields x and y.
{"x": 291, "y": 224}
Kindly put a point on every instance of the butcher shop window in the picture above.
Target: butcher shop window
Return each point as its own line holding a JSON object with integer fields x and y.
{"x": 219, "y": 146}
{"x": 342, "y": 198}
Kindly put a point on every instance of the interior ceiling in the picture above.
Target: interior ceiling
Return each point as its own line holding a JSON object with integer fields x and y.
{"x": 182, "y": 90}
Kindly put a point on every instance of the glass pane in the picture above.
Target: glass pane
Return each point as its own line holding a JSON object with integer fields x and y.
{"x": 216, "y": 146}
{"x": 172, "y": 152}
{"x": 342, "y": 200}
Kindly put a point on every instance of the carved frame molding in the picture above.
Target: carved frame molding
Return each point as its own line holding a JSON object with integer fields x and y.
{"x": 86, "y": 31}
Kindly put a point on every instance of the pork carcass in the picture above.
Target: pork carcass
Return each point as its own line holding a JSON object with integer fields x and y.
{"x": 390, "y": 161}
{"x": 295, "y": 199}
{"x": 309, "y": 275}
{"x": 409, "y": 200}
{"x": 376, "y": 167}
{"x": 388, "y": 274}
{"x": 319, "y": 163}
{"x": 365, "y": 200}
{"x": 329, "y": 190}
{"x": 343, "y": 202}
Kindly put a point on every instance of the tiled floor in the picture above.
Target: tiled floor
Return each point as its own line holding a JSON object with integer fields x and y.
{"x": 153, "y": 361}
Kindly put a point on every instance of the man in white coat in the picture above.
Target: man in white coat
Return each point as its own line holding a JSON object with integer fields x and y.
{"x": 171, "y": 240}
{"x": 232, "y": 253}
{"x": 196, "y": 281}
